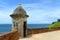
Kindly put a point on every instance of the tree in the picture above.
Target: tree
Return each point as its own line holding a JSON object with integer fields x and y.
{"x": 53, "y": 22}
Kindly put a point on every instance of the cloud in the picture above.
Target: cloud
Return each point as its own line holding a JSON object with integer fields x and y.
{"x": 46, "y": 11}
{"x": 5, "y": 18}
{"x": 42, "y": 13}
{"x": 3, "y": 4}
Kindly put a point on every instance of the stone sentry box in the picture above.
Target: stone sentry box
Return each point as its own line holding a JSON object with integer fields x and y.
{"x": 19, "y": 21}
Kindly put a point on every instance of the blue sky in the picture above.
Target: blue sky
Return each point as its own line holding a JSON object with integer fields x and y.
{"x": 39, "y": 11}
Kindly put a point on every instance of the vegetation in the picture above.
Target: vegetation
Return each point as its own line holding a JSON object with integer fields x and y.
{"x": 55, "y": 24}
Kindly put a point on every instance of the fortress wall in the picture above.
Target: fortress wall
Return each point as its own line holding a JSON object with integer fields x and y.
{"x": 41, "y": 30}
{"x": 13, "y": 35}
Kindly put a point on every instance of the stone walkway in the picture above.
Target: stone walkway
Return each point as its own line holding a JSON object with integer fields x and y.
{"x": 54, "y": 35}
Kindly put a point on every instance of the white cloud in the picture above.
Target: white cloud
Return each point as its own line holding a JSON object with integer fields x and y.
{"x": 38, "y": 12}
{"x": 41, "y": 13}
{"x": 3, "y": 4}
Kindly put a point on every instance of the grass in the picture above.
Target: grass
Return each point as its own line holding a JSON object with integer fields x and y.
{"x": 56, "y": 24}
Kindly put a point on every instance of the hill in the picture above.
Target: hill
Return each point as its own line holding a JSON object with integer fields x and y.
{"x": 56, "y": 24}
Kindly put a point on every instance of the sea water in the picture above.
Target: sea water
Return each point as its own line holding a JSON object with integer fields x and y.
{"x": 7, "y": 27}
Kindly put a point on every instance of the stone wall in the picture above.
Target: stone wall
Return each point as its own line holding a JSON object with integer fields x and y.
{"x": 13, "y": 35}
{"x": 41, "y": 30}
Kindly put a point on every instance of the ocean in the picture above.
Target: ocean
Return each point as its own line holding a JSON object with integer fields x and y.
{"x": 7, "y": 27}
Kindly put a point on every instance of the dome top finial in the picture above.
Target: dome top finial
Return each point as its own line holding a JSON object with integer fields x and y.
{"x": 19, "y": 11}
{"x": 19, "y": 3}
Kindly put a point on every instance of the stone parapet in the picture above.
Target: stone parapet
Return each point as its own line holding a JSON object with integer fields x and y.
{"x": 41, "y": 30}
{"x": 12, "y": 35}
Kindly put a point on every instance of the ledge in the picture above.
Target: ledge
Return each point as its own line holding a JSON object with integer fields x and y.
{"x": 41, "y": 30}
{"x": 12, "y": 35}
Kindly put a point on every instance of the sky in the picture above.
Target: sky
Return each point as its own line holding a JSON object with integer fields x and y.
{"x": 39, "y": 11}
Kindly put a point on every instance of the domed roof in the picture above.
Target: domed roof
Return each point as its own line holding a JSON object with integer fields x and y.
{"x": 19, "y": 10}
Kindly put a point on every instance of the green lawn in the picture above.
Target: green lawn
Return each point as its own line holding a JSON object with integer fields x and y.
{"x": 57, "y": 24}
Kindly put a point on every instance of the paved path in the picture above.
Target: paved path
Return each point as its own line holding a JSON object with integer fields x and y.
{"x": 55, "y": 35}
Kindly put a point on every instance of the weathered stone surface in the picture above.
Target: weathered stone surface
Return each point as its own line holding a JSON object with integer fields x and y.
{"x": 19, "y": 21}
{"x": 41, "y": 30}
{"x": 13, "y": 35}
